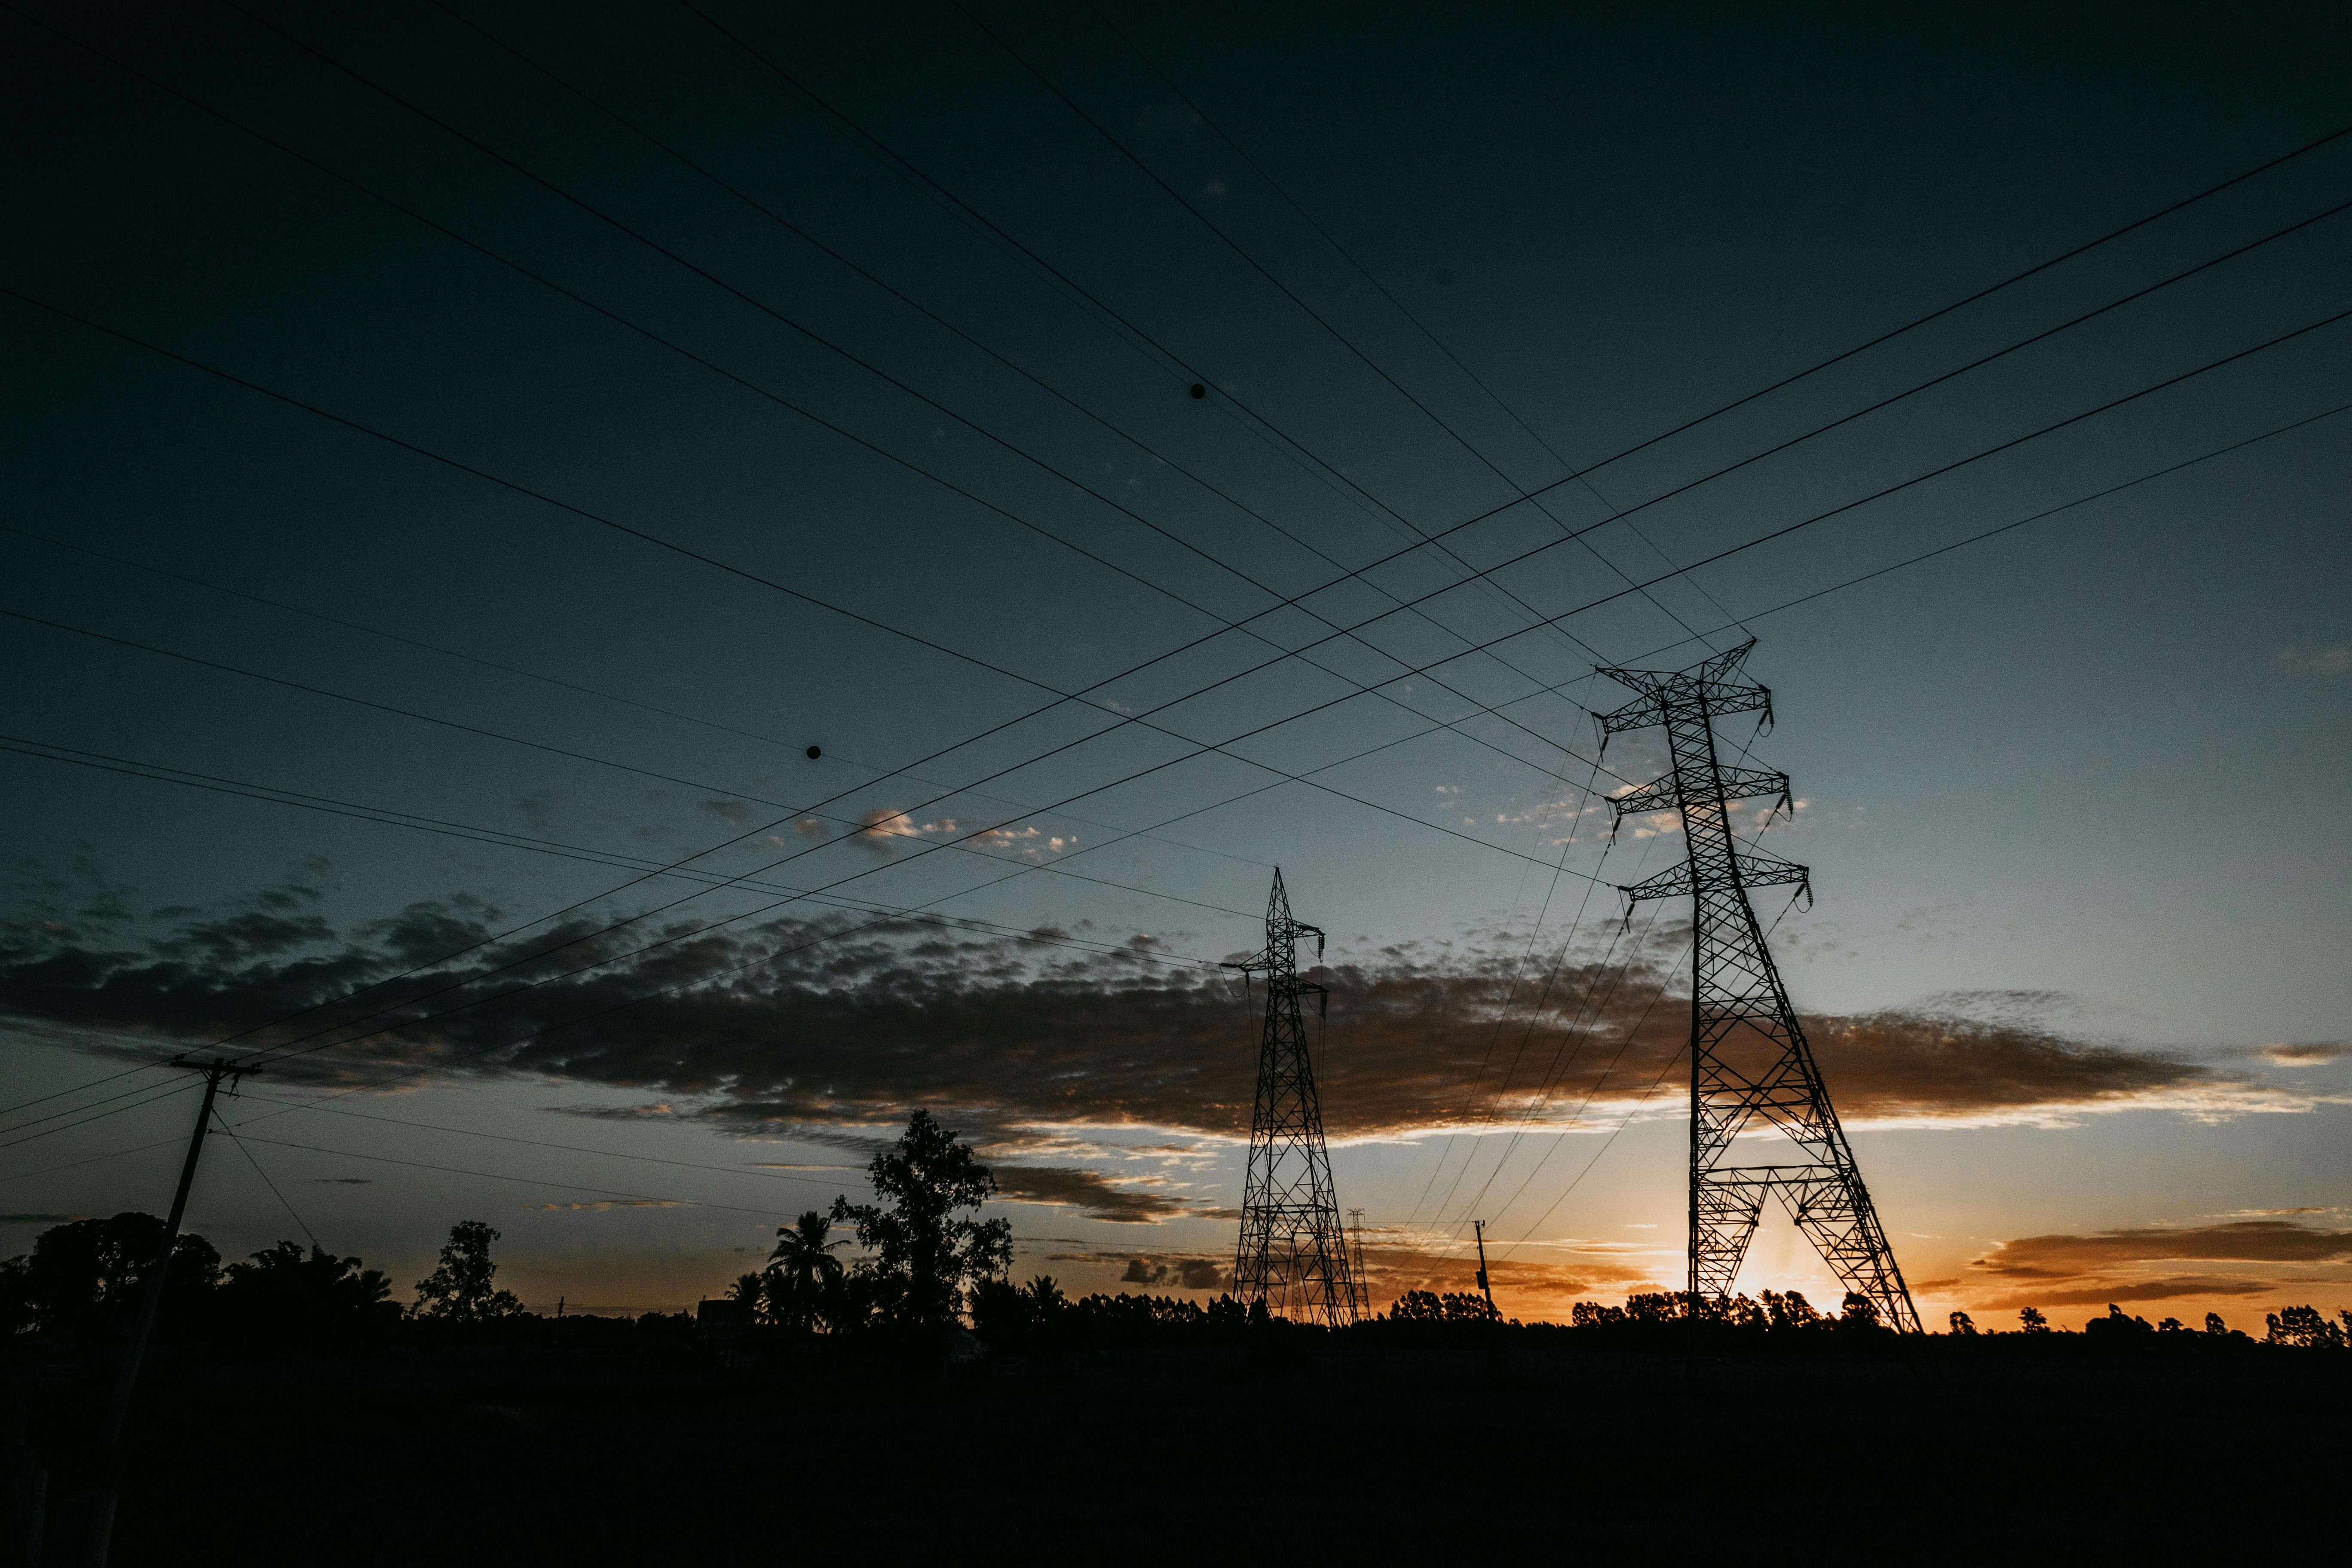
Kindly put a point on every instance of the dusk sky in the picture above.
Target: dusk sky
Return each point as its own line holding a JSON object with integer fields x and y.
{"x": 462, "y": 459}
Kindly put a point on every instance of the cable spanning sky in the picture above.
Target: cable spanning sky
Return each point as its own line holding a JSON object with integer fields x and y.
{"x": 623, "y": 596}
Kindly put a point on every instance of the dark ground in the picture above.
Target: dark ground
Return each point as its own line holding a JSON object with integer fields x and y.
{"x": 534, "y": 1455}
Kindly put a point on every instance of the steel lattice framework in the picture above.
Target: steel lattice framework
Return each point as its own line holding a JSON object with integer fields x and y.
{"x": 1293, "y": 1255}
{"x": 1752, "y": 1070}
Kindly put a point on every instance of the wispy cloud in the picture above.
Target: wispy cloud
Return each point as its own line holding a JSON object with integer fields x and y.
{"x": 2310, "y": 657}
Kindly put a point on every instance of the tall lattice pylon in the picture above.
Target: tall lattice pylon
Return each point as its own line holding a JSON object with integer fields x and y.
{"x": 1751, "y": 1071}
{"x": 1293, "y": 1255}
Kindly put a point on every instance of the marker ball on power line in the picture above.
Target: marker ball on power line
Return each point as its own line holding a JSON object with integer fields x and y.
{"x": 1200, "y": 391}
{"x": 815, "y": 751}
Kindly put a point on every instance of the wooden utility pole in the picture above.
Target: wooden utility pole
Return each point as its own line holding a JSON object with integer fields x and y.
{"x": 1479, "y": 1226}
{"x": 90, "y": 1528}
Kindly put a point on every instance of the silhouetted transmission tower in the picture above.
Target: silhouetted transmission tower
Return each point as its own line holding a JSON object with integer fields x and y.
{"x": 1293, "y": 1255}
{"x": 1751, "y": 1071}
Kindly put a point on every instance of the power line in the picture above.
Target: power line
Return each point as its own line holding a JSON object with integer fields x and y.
{"x": 49, "y": 751}
{"x": 794, "y": 229}
{"x": 1018, "y": 871}
{"x": 1014, "y": 448}
{"x": 1520, "y": 491}
{"x": 1422, "y": 538}
{"x": 77, "y": 1088}
{"x": 91, "y": 1160}
{"x": 1488, "y": 647}
{"x": 1364, "y": 272}
{"x": 1939, "y": 470}
{"x": 266, "y": 1181}
{"x": 1594, "y": 1093}
{"x": 1556, "y": 1071}
{"x": 740, "y": 877}
{"x": 539, "y": 676}
{"x": 1594, "y": 999}
{"x": 1494, "y": 1038}
{"x": 1121, "y": 720}
{"x": 741, "y": 43}
{"x": 1778, "y": 533}
{"x": 1945, "y": 469}
{"x": 527, "y": 1181}
{"x": 700, "y": 979}
{"x": 2022, "y": 522}
{"x": 542, "y": 1143}
{"x": 152, "y": 1092}
{"x": 748, "y": 49}
{"x": 1989, "y": 533}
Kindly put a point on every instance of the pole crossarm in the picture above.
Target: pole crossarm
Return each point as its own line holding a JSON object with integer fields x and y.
{"x": 1293, "y": 1256}
{"x": 1752, "y": 1072}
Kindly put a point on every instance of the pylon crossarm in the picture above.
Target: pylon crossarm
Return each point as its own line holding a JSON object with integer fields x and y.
{"x": 1724, "y": 699}
{"x": 1675, "y": 882}
{"x": 1658, "y": 795}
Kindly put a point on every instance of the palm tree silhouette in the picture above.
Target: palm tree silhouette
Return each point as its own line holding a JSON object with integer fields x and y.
{"x": 803, "y": 1271}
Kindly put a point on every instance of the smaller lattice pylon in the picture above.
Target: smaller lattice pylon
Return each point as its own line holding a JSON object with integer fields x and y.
{"x": 1292, "y": 1255}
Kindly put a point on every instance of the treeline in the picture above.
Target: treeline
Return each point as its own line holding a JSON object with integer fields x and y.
{"x": 927, "y": 1265}
{"x": 1786, "y": 1317}
{"x": 80, "y": 1286}
{"x": 82, "y": 1283}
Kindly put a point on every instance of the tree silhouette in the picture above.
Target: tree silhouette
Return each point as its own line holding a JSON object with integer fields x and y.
{"x": 88, "y": 1273}
{"x": 922, "y": 1256}
{"x": 282, "y": 1292}
{"x": 2214, "y": 1325}
{"x": 2031, "y": 1320}
{"x": 2306, "y": 1328}
{"x": 1859, "y": 1313}
{"x": 1963, "y": 1325}
{"x": 803, "y": 1277}
{"x": 1453, "y": 1307}
{"x": 462, "y": 1290}
{"x": 2118, "y": 1328}
{"x": 1044, "y": 1298}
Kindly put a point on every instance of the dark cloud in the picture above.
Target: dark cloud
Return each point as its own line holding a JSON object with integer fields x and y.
{"x": 2234, "y": 1241}
{"x": 343, "y": 1181}
{"x": 2308, "y": 1054}
{"x": 831, "y": 1029}
{"x": 2129, "y": 1264}
{"x": 1904, "y": 1063}
{"x": 1175, "y": 1273}
{"x": 1093, "y": 1195}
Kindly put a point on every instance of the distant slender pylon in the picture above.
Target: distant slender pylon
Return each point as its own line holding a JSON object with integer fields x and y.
{"x": 1356, "y": 1270}
{"x": 1293, "y": 1255}
{"x": 1752, "y": 1070}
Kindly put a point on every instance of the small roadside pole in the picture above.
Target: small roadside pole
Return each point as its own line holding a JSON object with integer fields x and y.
{"x": 1479, "y": 1227}
{"x": 90, "y": 1518}
{"x": 1495, "y": 1313}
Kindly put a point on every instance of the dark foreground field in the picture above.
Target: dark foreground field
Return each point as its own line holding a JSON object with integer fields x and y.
{"x": 505, "y": 1455}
